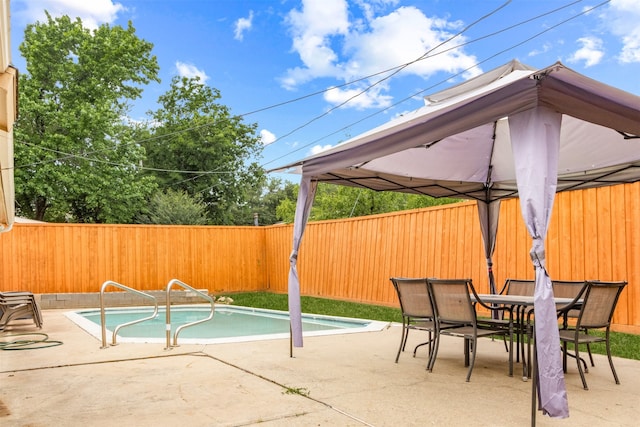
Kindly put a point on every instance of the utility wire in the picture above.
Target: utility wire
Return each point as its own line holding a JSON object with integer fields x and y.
{"x": 423, "y": 57}
{"x": 393, "y": 71}
{"x": 93, "y": 159}
{"x": 442, "y": 81}
{"x": 399, "y": 69}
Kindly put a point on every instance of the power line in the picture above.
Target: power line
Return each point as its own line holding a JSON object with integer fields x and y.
{"x": 396, "y": 71}
{"x": 93, "y": 159}
{"x": 452, "y": 75}
{"x": 393, "y": 71}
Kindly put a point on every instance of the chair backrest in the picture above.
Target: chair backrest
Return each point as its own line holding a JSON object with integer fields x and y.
{"x": 414, "y": 296}
{"x": 567, "y": 288}
{"x": 520, "y": 287}
{"x": 599, "y": 303}
{"x": 451, "y": 300}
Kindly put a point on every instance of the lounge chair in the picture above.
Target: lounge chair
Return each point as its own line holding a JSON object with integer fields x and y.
{"x": 19, "y": 306}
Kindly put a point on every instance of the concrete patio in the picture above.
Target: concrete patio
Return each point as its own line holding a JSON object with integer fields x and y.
{"x": 341, "y": 380}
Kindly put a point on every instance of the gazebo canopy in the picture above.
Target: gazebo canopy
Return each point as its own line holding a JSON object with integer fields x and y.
{"x": 511, "y": 132}
{"x": 458, "y": 144}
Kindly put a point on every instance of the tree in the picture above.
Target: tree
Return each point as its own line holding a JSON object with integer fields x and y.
{"x": 336, "y": 201}
{"x": 175, "y": 207}
{"x": 197, "y": 146}
{"x": 265, "y": 202}
{"x": 75, "y": 158}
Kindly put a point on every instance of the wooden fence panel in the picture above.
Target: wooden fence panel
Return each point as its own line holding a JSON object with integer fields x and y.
{"x": 594, "y": 234}
{"x": 65, "y": 258}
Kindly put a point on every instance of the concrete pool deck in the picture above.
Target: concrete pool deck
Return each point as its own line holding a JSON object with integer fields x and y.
{"x": 340, "y": 380}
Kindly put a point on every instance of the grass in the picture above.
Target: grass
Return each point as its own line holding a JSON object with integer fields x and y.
{"x": 622, "y": 345}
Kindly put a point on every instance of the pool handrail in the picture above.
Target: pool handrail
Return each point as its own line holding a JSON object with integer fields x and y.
{"x": 168, "y": 311}
{"x": 117, "y": 328}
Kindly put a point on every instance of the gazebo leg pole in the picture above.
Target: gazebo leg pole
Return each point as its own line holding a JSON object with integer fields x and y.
{"x": 534, "y": 380}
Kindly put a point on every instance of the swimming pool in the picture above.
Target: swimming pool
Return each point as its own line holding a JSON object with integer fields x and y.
{"x": 229, "y": 324}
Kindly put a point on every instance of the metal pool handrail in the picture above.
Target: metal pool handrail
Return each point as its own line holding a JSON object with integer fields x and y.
{"x": 180, "y": 328}
{"x": 117, "y": 328}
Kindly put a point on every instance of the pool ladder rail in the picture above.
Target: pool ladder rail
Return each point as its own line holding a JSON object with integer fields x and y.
{"x": 181, "y": 327}
{"x": 170, "y": 285}
{"x": 117, "y": 328}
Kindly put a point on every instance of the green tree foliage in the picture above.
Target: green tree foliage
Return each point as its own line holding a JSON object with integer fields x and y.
{"x": 74, "y": 156}
{"x": 192, "y": 132}
{"x": 335, "y": 201}
{"x": 266, "y": 202}
{"x": 175, "y": 207}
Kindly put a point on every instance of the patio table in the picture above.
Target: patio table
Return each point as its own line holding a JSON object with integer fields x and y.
{"x": 522, "y": 306}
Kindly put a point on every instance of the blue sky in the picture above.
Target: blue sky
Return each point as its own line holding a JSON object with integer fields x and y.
{"x": 264, "y": 53}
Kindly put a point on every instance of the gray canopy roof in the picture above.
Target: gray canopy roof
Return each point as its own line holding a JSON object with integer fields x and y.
{"x": 511, "y": 132}
{"x": 458, "y": 144}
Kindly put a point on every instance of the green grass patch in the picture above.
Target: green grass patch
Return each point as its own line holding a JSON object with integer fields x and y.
{"x": 622, "y": 345}
{"x": 314, "y": 305}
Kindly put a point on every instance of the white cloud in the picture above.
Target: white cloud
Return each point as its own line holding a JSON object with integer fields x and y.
{"x": 93, "y": 13}
{"x": 267, "y": 137}
{"x": 591, "y": 51}
{"x": 543, "y": 49}
{"x": 191, "y": 71}
{"x": 403, "y": 36}
{"x": 373, "y": 98}
{"x": 319, "y": 148}
{"x": 242, "y": 25}
{"x": 312, "y": 29}
{"x": 622, "y": 19}
{"x": 330, "y": 45}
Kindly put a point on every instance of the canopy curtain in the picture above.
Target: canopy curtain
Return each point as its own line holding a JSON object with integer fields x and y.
{"x": 306, "y": 194}
{"x": 488, "y": 214}
{"x": 535, "y": 141}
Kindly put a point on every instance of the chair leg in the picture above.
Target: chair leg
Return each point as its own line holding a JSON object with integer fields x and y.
{"x": 403, "y": 340}
{"x": 584, "y": 381}
{"x": 615, "y": 376}
{"x": 590, "y": 355}
{"x": 405, "y": 334}
{"x": 511, "y": 350}
{"x": 424, "y": 343}
{"x": 473, "y": 356}
{"x": 434, "y": 352}
{"x": 586, "y": 331}
{"x": 467, "y": 350}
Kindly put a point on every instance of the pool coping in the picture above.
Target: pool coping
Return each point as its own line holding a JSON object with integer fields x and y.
{"x": 95, "y": 329}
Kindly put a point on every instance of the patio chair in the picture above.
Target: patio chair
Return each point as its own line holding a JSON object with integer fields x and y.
{"x": 526, "y": 288}
{"x": 455, "y": 315}
{"x": 596, "y": 312}
{"x": 417, "y": 312}
{"x": 19, "y": 306}
{"x": 568, "y": 289}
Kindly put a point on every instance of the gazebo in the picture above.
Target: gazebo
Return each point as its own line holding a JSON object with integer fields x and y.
{"x": 512, "y": 132}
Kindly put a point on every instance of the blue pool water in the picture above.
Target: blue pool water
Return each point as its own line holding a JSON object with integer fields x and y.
{"x": 229, "y": 324}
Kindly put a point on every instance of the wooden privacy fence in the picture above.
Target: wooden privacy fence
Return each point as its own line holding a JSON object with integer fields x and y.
{"x": 594, "y": 234}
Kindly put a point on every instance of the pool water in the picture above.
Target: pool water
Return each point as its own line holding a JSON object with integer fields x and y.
{"x": 229, "y": 324}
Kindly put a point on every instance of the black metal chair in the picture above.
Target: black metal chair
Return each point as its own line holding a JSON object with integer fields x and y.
{"x": 417, "y": 312}
{"x": 455, "y": 315}
{"x": 596, "y": 312}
